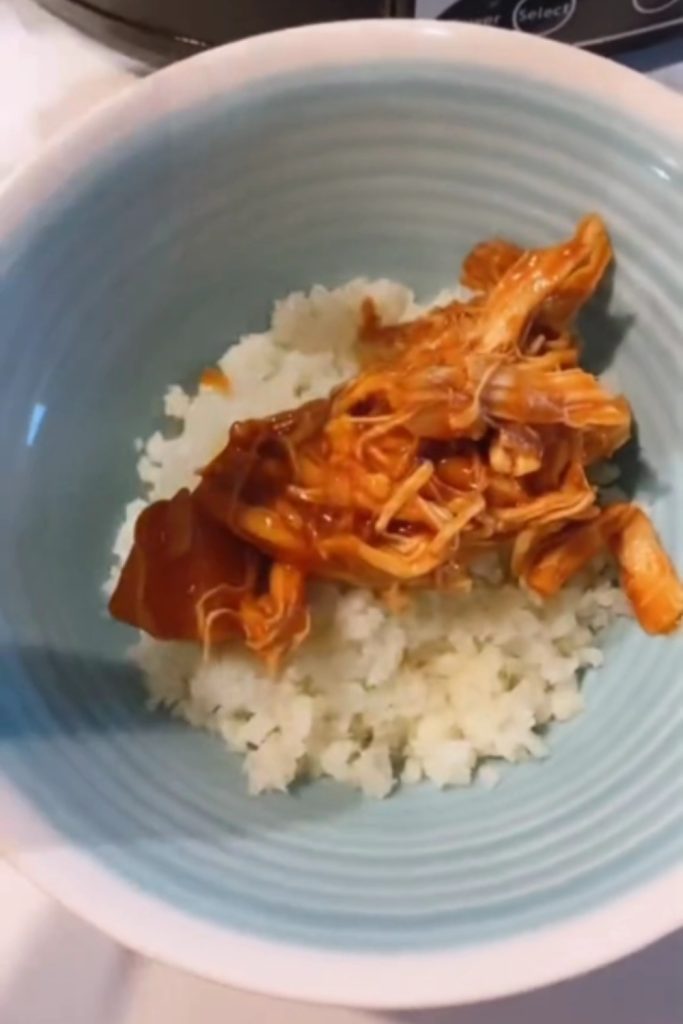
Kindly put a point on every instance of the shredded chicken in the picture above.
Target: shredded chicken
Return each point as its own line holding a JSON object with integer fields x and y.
{"x": 469, "y": 428}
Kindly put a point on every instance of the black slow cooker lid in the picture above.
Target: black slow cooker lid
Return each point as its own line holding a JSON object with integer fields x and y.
{"x": 168, "y": 29}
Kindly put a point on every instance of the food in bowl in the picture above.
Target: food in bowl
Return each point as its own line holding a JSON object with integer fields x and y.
{"x": 403, "y": 573}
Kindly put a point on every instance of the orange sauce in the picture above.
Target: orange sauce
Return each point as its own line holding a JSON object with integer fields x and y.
{"x": 214, "y": 379}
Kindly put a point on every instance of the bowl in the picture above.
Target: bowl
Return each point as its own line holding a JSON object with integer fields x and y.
{"x": 131, "y": 251}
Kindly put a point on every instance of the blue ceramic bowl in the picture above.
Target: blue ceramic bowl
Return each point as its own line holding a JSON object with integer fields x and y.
{"x": 129, "y": 253}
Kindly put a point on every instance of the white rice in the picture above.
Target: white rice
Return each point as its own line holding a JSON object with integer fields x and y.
{"x": 372, "y": 697}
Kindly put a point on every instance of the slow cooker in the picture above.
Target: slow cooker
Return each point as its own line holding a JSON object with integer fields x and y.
{"x": 167, "y": 29}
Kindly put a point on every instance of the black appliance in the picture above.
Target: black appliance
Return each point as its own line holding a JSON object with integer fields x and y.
{"x": 167, "y": 29}
{"x": 597, "y": 24}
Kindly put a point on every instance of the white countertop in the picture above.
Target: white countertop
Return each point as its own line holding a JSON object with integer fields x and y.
{"x": 53, "y": 968}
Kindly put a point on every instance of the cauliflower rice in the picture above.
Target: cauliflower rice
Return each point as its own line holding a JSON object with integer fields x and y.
{"x": 371, "y": 698}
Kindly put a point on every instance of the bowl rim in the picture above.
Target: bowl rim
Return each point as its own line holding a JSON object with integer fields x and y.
{"x": 147, "y": 924}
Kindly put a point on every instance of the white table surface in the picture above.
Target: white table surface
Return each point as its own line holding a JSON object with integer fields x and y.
{"x": 55, "y": 969}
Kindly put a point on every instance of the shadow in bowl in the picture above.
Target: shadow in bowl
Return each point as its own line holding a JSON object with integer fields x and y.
{"x": 81, "y": 709}
{"x": 604, "y": 331}
{"x": 62, "y": 680}
{"x": 637, "y": 476}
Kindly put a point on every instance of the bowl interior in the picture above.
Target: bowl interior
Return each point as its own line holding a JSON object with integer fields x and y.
{"x": 137, "y": 272}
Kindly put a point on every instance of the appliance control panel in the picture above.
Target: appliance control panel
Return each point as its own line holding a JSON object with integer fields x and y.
{"x": 584, "y": 22}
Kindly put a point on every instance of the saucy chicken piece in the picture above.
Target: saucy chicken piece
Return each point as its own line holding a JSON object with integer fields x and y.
{"x": 276, "y": 622}
{"x": 467, "y": 429}
{"x": 183, "y": 573}
{"x": 187, "y": 578}
{"x": 563, "y": 557}
{"x": 645, "y": 570}
{"x": 487, "y": 263}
